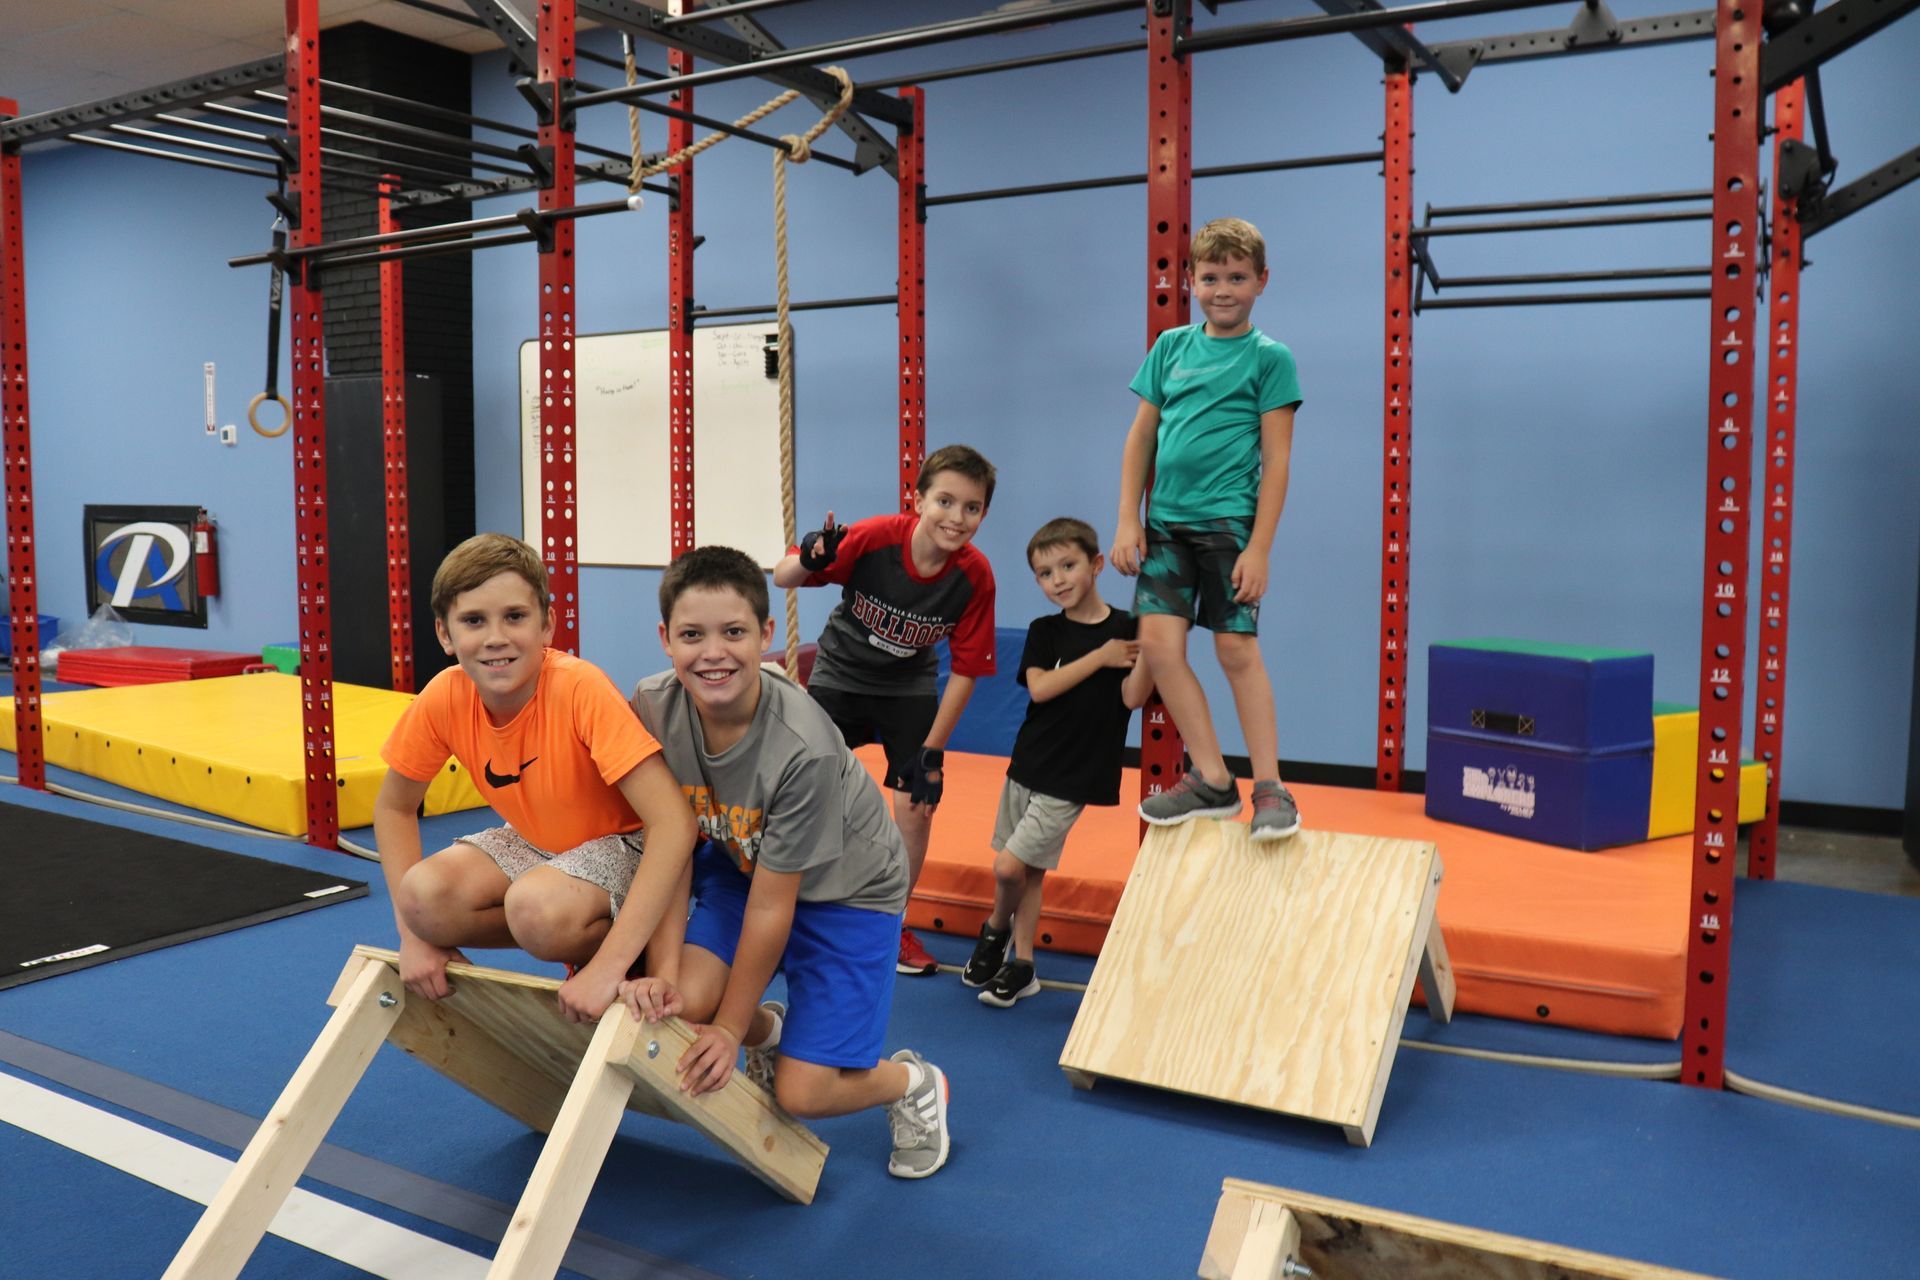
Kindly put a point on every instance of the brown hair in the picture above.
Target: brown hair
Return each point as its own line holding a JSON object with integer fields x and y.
{"x": 960, "y": 458}
{"x": 714, "y": 568}
{"x": 1062, "y": 530}
{"x": 1225, "y": 238}
{"x": 478, "y": 561}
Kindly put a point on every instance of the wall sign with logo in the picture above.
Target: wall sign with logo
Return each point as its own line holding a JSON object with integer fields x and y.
{"x": 140, "y": 560}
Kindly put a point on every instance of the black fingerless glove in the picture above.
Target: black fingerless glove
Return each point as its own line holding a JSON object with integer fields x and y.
{"x": 818, "y": 548}
{"x": 920, "y": 788}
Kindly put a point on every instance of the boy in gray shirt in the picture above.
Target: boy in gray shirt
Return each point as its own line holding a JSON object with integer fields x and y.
{"x": 804, "y": 873}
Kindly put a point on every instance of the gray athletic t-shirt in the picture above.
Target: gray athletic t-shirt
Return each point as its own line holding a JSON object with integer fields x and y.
{"x": 788, "y": 796}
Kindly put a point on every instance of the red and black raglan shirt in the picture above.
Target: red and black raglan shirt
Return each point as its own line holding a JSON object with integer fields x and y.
{"x": 880, "y": 637}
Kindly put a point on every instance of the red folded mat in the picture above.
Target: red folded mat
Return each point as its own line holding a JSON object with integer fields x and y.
{"x": 149, "y": 664}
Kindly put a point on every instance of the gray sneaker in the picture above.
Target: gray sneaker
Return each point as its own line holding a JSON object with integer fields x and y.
{"x": 919, "y": 1122}
{"x": 761, "y": 1057}
{"x": 1275, "y": 815}
{"x": 1190, "y": 798}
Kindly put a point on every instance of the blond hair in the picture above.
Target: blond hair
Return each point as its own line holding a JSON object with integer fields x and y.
{"x": 1225, "y": 238}
{"x": 478, "y": 561}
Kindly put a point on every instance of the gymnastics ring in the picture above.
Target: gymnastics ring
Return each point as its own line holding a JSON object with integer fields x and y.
{"x": 253, "y": 415}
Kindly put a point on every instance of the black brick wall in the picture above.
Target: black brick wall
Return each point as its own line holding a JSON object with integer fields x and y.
{"x": 437, "y": 290}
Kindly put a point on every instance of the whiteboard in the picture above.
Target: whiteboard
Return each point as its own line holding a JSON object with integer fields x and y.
{"x": 621, "y": 461}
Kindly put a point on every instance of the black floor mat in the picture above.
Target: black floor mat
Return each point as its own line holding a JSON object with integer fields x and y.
{"x": 75, "y": 893}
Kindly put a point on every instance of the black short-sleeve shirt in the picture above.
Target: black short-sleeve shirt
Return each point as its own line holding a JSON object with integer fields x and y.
{"x": 1070, "y": 748}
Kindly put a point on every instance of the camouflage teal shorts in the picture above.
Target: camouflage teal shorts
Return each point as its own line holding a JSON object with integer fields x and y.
{"x": 1188, "y": 572}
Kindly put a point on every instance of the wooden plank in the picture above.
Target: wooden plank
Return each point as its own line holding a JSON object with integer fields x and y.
{"x": 1271, "y": 1247}
{"x": 1340, "y": 1240}
{"x": 1436, "y": 975}
{"x": 230, "y": 1229}
{"x": 1425, "y": 927}
{"x": 745, "y": 1121}
{"x": 542, "y": 1225}
{"x": 1271, "y": 978}
{"x": 501, "y": 1035}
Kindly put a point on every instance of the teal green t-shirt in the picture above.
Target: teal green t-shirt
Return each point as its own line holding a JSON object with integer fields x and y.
{"x": 1211, "y": 393}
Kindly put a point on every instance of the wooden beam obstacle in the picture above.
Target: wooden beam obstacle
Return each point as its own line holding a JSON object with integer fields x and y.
{"x": 1270, "y": 1233}
{"x": 502, "y": 1036}
{"x": 1275, "y": 977}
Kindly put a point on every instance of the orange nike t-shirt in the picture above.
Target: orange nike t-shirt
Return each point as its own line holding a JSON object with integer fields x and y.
{"x": 551, "y": 770}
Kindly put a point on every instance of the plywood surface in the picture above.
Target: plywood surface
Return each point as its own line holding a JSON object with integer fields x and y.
{"x": 501, "y": 1035}
{"x": 1270, "y": 976}
{"x": 1340, "y": 1240}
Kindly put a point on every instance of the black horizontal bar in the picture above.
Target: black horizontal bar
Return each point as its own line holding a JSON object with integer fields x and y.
{"x": 429, "y": 250}
{"x": 1301, "y": 28}
{"x": 171, "y": 155}
{"x": 1008, "y": 64}
{"x": 189, "y": 92}
{"x": 1863, "y": 191}
{"x": 443, "y": 230}
{"x": 823, "y": 304}
{"x": 427, "y": 109}
{"x": 1134, "y": 179}
{"x": 1576, "y": 202}
{"x": 719, "y": 11}
{"x": 219, "y": 130}
{"x": 1551, "y": 299}
{"x": 1570, "y": 277}
{"x": 1822, "y": 35}
{"x": 449, "y": 143}
{"x": 885, "y": 42}
{"x": 1560, "y": 224}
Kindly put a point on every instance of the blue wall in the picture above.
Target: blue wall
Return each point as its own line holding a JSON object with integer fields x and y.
{"x": 128, "y": 296}
{"x": 1559, "y": 452}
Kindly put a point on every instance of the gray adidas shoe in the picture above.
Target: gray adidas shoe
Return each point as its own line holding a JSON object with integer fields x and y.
{"x": 919, "y": 1122}
{"x": 1190, "y": 798}
{"x": 1275, "y": 815}
{"x": 762, "y": 1057}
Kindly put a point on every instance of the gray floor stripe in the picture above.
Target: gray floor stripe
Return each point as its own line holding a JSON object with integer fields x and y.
{"x": 598, "y": 1257}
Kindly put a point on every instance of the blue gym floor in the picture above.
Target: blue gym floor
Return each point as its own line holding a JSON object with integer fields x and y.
{"x": 196, "y": 1041}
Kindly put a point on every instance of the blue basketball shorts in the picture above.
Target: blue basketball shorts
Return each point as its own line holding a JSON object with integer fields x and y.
{"x": 839, "y": 965}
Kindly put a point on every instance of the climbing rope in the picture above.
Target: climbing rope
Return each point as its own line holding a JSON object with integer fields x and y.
{"x": 796, "y": 151}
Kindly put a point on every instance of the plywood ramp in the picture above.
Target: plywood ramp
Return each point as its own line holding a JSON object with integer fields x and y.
{"x": 502, "y": 1036}
{"x": 1258, "y": 1230}
{"x": 1272, "y": 976}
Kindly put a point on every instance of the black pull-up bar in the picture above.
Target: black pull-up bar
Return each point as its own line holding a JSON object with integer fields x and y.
{"x": 1133, "y": 179}
{"x": 331, "y": 253}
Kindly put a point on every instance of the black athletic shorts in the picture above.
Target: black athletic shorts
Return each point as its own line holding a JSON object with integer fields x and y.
{"x": 898, "y": 723}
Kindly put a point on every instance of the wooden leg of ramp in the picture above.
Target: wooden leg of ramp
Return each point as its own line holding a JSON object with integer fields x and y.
{"x": 1335, "y": 1238}
{"x": 230, "y": 1229}
{"x": 1267, "y": 976}
{"x": 542, "y": 1226}
{"x": 1436, "y": 975}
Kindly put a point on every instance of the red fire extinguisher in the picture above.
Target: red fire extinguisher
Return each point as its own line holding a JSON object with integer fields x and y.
{"x": 206, "y": 555}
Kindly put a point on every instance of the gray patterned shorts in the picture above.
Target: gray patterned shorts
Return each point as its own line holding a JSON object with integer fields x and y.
{"x": 606, "y": 861}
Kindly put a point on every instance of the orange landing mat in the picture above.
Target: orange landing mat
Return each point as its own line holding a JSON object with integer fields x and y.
{"x": 1536, "y": 933}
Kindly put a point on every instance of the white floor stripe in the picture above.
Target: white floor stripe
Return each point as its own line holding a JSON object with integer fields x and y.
{"x": 358, "y": 1239}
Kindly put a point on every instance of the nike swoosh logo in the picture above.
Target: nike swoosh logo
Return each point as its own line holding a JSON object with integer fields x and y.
{"x": 504, "y": 779}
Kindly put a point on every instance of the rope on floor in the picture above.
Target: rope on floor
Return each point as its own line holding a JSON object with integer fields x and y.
{"x": 211, "y": 824}
{"x": 1794, "y": 1098}
{"x": 1630, "y": 1070}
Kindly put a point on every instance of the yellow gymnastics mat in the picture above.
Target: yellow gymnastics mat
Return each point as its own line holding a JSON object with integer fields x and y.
{"x": 232, "y": 746}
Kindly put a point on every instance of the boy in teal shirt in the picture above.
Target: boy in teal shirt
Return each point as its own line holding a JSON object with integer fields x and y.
{"x": 1214, "y": 431}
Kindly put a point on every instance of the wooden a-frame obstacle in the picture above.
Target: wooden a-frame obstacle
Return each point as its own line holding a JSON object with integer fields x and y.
{"x": 1272, "y": 976}
{"x": 1270, "y": 1233}
{"x": 502, "y": 1036}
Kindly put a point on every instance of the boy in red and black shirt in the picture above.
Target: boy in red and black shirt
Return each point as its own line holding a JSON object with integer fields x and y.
{"x": 910, "y": 580}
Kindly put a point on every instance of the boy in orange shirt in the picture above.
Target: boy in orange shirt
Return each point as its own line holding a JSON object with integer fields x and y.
{"x": 558, "y": 753}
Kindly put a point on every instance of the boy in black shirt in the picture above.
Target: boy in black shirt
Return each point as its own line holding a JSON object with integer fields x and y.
{"x": 1083, "y": 673}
